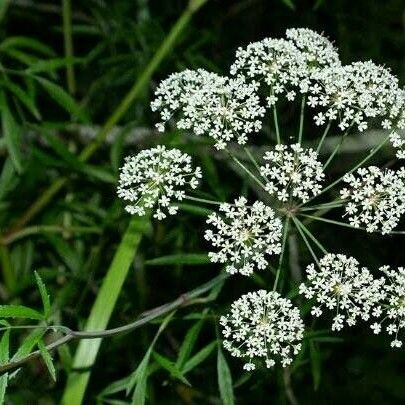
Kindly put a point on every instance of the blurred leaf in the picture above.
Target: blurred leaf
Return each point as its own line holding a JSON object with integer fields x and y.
{"x": 63, "y": 99}
{"x": 315, "y": 358}
{"x": 19, "y": 311}
{"x": 51, "y": 65}
{"x": 46, "y": 303}
{"x": 182, "y": 258}
{"x": 8, "y": 178}
{"x": 224, "y": 379}
{"x": 47, "y": 359}
{"x": 26, "y": 43}
{"x": 23, "y": 97}
{"x": 11, "y": 133}
{"x": 289, "y": 3}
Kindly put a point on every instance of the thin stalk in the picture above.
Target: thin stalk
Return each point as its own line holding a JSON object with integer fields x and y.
{"x": 237, "y": 161}
{"x": 364, "y": 160}
{"x": 146, "y": 317}
{"x": 337, "y": 148}
{"x": 202, "y": 200}
{"x": 142, "y": 81}
{"x": 331, "y": 221}
{"x": 283, "y": 247}
{"x": 304, "y": 238}
{"x": 275, "y": 118}
{"x": 301, "y": 127}
{"x": 332, "y": 204}
{"x": 311, "y": 236}
{"x": 252, "y": 159}
{"x": 68, "y": 43}
{"x": 325, "y": 133}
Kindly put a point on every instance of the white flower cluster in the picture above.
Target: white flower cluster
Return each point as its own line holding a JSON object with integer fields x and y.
{"x": 244, "y": 235}
{"x": 285, "y": 65}
{"x": 339, "y": 285}
{"x": 396, "y": 123}
{"x": 375, "y": 198}
{"x": 156, "y": 176}
{"x": 263, "y": 326}
{"x": 393, "y": 306}
{"x": 352, "y": 94}
{"x": 222, "y": 108}
{"x": 293, "y": 172}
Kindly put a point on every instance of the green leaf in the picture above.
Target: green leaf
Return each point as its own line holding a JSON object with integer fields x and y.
{"x": 12, "y": 136}
{"x": 63, "y": 99}
{"x": 224, "y": 379}
{"x": 47, "y": 359}
{"x": 46, "y": 303}
{"x": 182, "y": 258}
{"x": 23, "y": 97}
{"x": 4, "y": 357}
{"x": 171, "y": 367}
{"x": 188, "y": 344}
{"x": 19, "y": 311}
{"x": 103, "y": 307}
{"x": 51, "y": 65}
{"x": 28, "y": 344}
{"x": 289, "y": 3}
{"x": 26, "y": 43}
{"x": 199, "y": 357}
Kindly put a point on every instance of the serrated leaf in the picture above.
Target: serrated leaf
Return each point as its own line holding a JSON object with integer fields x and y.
{"x": 46, "y": 302}
{"x": 182, "y": 258}
{"x": 28, "y": 344}
{"x": 224, "y": 379}
{"x": 4, "y": 357}
{"x": 188, "y": 344}
{"x": 19, "y": 311}
{"x": 63, "y": 99}
{"x": 46, "y": 356}
{"x": 12, "y": 136}
{"x": 199, "y": 357}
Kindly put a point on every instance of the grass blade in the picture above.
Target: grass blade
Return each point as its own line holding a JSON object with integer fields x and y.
{"x": 224, "y": 379}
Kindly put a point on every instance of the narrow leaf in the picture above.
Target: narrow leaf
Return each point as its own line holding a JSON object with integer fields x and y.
{"x": 51, "y": 65}
{"x": 63, "y": 99}
{"x": 183, "y": 258}
{"x": 199, "y": 357}
{"x": 26, "y": 43}
{"x": 4, "y": 357}
{"x": 28, "y": 344}
{"x": 189, "y": 343}
{"x": 224, "y": 379}
{"x": 170, "y": 367}
{"x": 19, "y": 311}
{"x": 46, "y": 303}
{"x": 47, "y": 359}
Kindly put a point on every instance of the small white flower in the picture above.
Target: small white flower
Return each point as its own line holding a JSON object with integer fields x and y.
{"x": 156, "y": 176}
{"x": 293, "y": 172}
{"x": 375, "y": 198}
{"x": 208, "y": 104}
{"x": 243, "y": 236}
{"x": 342, "y": 287}
{"x": 393, "y": 305}
{"x": 263, "y": 327}
{"x": 354, "y": 94}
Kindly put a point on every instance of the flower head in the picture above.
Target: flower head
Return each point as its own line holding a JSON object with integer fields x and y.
{"x": 263, "y": 326}
{"x": 292, "y": 171}
{"x": 244, "y": 235}
{"x": 318, "y": 50}
{"x": 341, "y": 286}
{"x": 352, "y": 94}
{"x": 392, "y": 309}
{"x": 375, "y": 198}
{"x": 222, "y": 108}
{"x": 156, "y": 176}
{"x": 395, "y": 122}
